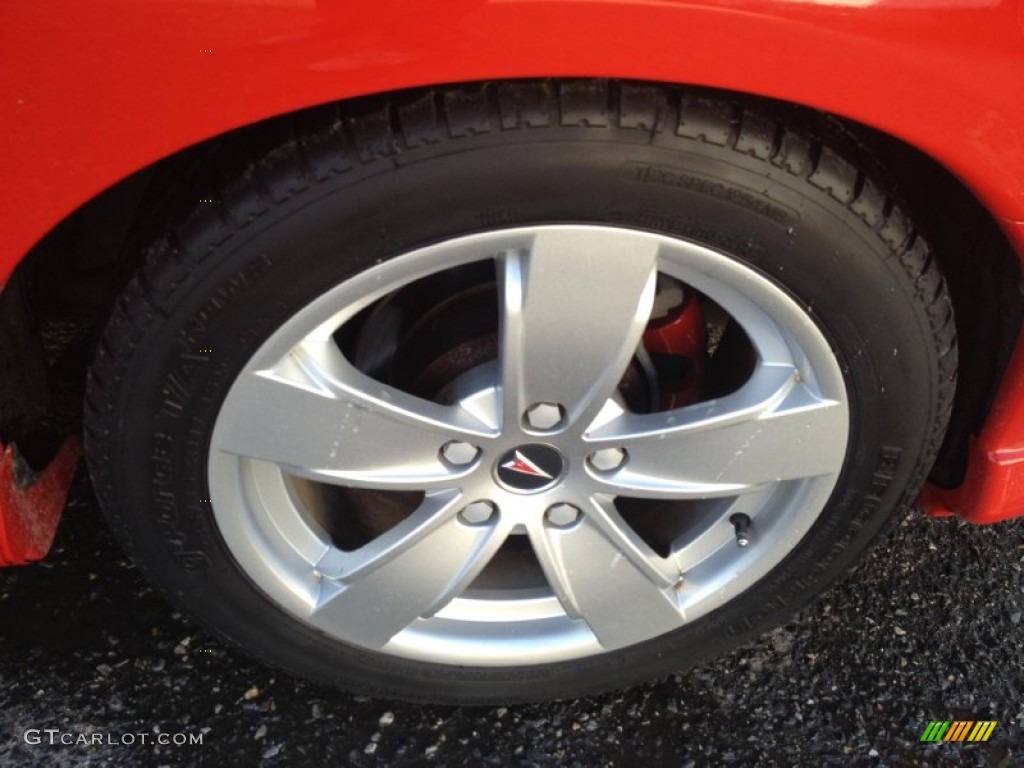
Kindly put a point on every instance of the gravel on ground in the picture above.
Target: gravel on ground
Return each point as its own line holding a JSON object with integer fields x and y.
{"x": 928, "y": 628}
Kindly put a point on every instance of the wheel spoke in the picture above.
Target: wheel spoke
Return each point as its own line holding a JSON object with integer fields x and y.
{"x": 317, "y": 416}
{"x": 410, "y": 572}
{"x": 719, "y": 532}
{"x": 773, "y": 429}
{"x": 575, "y": 306}
{"x": 604, "y": 574}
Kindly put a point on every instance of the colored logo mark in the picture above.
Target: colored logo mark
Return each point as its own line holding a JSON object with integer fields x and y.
{"x": 522, "y": 464}
{"x": 958, "y": 730}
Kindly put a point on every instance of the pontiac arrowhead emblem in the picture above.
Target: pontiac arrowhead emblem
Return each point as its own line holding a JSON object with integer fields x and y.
{"x": 530, "y": 468}
{"x": 520, "y": 463}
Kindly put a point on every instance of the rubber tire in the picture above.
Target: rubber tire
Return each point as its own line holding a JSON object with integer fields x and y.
{"x": 395, "y": 174}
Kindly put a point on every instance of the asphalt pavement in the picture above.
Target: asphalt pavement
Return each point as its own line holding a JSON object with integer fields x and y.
{"x": 97, "y": 668}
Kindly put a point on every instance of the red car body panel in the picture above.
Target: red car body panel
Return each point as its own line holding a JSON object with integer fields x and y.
{"x": 93, "y": 91}
{"x": 30, "y": 508}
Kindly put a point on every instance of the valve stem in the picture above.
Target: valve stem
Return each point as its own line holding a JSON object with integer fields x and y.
{"x": 741, "y": 524}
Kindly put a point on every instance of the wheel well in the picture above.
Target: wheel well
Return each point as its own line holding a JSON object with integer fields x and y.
{"x": 984, "y": 278}
{"x": 71, "y": 278}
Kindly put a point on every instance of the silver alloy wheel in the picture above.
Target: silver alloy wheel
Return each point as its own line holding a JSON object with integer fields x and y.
{"x": 574, "y": 302}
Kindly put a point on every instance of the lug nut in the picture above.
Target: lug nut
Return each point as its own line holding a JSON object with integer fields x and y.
{"x": 544, "y": 415}
{"x": 477, "y": 513}
{"x": 458, "y": 453}
{"x": 607, "y": 459}
{"x": 741, "y": 525}
{"x": 562, "y": 515}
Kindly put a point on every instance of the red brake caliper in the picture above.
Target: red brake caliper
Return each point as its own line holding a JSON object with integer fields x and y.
{"x": 681, "y": 334}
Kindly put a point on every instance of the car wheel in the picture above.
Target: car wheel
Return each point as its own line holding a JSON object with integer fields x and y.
{"x": 521, "y": 390}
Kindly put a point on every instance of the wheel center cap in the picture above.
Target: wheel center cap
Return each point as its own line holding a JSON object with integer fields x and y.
{"x": 529, "y": 468}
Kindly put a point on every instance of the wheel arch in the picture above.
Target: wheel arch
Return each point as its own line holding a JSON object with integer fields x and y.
{"x": 941, "y": 76}
{"x": 77, "y": 270}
